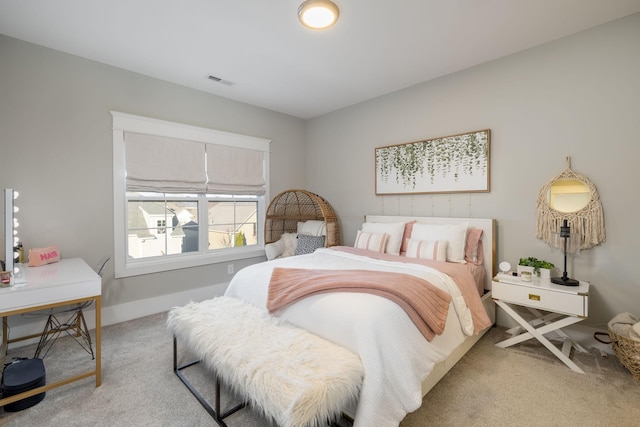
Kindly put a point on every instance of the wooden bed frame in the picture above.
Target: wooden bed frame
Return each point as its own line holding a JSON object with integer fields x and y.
{"x": 489, "y": 245}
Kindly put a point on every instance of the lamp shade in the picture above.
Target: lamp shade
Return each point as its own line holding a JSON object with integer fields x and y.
{"x": 318, "y": 14}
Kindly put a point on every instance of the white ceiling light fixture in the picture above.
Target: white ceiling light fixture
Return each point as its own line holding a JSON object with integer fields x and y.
{"x": 318, "y": 14}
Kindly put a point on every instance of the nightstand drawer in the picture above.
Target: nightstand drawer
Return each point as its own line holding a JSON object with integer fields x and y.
{"x": 542, "y": 298}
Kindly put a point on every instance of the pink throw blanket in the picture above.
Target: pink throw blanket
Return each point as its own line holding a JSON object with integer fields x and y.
{"x": 458, "y": 272}
{"x": 426, "y": 305}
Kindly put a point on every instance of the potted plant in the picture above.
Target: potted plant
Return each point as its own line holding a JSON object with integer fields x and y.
{"x": 540, "y": 268}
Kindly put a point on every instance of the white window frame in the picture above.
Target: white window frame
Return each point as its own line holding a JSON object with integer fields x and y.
{"x": 124, "y": 122}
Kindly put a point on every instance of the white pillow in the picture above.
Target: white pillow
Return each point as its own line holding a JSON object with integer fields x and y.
{"x": 274, "y": 250}
{"x": 395, "y": 230}
{"x": 312, "y": 228}
{"x": 375, "y": 242}
{"x": 454, "y": 234}
{"x": 427, "y": 249}
{"x": 290, "y": 241}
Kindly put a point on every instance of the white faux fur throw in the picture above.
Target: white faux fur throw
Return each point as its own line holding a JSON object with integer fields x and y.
{"x": 293, "y": 376}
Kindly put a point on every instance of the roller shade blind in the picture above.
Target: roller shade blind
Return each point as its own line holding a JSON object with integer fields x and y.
{"x": 235, "y": 170}
{"x": 172, "y": 165}
{"x": 161, "y": 164}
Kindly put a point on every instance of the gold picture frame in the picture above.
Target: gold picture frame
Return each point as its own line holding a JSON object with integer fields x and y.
{"x": 450, "y": 164}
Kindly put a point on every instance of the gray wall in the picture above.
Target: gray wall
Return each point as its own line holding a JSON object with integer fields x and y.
{"x": 55, "y": 133}
{"x": 577, "y": 97}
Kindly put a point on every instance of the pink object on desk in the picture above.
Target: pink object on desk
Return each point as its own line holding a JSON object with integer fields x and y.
{"x": 42, "y": 256}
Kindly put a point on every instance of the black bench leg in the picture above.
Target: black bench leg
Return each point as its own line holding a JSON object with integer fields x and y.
{"x": 214, "y": 412}
{"x": 340, "y": 421}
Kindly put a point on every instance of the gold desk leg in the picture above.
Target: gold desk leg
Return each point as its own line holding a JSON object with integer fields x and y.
{"x": 98, "y": 343}
{"x": 5, "y": 341}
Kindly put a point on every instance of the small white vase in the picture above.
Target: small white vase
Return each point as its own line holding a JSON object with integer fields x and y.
{"x": 545, "y": 273}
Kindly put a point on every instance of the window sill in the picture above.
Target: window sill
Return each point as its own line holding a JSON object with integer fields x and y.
{"x": 160, "y": 264}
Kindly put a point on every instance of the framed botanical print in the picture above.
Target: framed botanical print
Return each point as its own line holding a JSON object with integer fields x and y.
{"x": 450, "y": 164}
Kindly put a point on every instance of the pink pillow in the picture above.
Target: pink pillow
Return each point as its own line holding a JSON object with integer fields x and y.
{"x": 408, "y": 228}
{"x": 473, "y": 251}
{"x": 42, "y": 256}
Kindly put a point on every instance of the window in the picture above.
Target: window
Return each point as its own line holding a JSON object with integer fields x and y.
{"x": 185, "y": 196}
{"x": 232, "y": 221}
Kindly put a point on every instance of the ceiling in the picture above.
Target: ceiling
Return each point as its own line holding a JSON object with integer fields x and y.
{"x": 265, "y": 57}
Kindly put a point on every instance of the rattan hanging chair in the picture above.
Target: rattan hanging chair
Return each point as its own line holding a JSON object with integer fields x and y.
{"x": 293, "y": 206}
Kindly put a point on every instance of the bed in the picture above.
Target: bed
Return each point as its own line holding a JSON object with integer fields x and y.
{"x": 400, "y": 364}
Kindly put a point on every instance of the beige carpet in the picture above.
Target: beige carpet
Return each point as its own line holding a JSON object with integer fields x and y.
{"x": 519, "y": 386}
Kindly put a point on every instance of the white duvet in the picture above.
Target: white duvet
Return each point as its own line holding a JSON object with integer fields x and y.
{"x": 395, "y": 355}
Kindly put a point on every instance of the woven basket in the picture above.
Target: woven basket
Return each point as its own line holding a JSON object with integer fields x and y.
{"x": 627, "y": 351}
{"x": 293, "y": 206}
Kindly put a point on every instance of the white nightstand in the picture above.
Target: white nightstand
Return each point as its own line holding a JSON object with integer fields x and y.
{"x": 565, "y": 305}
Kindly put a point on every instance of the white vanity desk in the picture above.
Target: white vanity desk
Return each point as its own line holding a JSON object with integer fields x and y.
{"x": 66, "y": 282}
{"x": 569, "y": 304}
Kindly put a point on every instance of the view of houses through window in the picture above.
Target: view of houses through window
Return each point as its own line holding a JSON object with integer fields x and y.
{"x": 168, "y": 224}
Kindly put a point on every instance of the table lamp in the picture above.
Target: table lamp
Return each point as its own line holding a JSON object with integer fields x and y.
{"x": 570, "y": 244}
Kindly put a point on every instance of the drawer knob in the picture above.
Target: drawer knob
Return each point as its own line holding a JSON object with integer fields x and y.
{"x": 534, "y": 297}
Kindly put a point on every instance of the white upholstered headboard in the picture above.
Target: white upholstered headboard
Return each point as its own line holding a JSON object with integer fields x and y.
{"x": 488, "y": 236}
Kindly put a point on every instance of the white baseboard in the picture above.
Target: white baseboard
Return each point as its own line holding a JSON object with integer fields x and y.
{"x": 20, "y": 327}
{"x": 136, "y": 309}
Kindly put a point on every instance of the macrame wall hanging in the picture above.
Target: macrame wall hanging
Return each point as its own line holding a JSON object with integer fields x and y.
{"x": 587, "y": 222}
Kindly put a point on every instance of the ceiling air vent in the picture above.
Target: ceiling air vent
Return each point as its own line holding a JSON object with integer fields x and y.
{"x": 219, "y": 80}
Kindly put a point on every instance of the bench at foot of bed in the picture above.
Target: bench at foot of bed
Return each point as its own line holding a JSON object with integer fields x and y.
{"x": 290, "y": 375}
